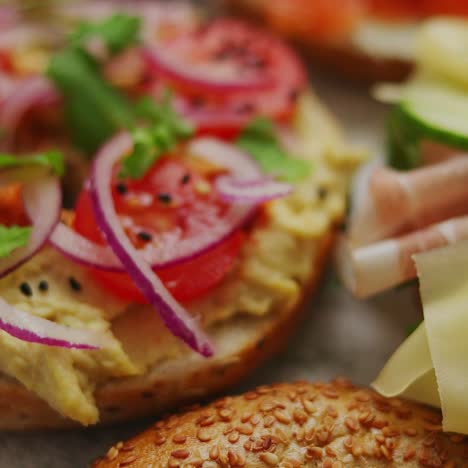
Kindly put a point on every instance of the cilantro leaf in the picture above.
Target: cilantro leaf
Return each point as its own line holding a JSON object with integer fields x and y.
{"x": 260, "y": 141}
{"x": 94, "y": 110}
{"x": 50, "y": 159}
{"x": 13, "y": 237}
{"x": 116, "y": 32}
{"x": 163, "y": 112}
{"x": 161, "y": 136}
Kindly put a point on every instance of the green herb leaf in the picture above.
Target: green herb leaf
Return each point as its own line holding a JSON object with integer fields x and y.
{"x": 162, "y": 112}
{"x": 260, "y": 141}
{"x": 166, "y": 129}
{"x": 94, "y": 110}
{"x": 117, "y": 32}
{"x": 13, "y": 237}
{"x": 403, "y": 142}
{"x": 50, "y": 159}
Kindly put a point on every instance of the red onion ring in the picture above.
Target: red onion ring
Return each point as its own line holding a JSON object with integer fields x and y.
{"x": 176, "y": 318}
{"x": 258, "y": 190}
{"x": 27, "y": 94}
{"x": 42, "y": 200}
{"x": 33, "y": 329}
{"x": 166, "y": 66}
{"x": 8, "y": 16}
{"x": 83, "y": 251}
{"x": 171, "y": 249}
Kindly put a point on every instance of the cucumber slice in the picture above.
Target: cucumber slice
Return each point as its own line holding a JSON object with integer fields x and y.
{"x": 428, "y": 111}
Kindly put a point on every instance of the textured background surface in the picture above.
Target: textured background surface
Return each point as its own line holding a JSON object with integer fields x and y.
{"x": 339, "y": 337}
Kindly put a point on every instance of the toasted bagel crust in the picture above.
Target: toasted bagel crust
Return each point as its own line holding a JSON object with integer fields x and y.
{"x": 242, "y": 345}
{"x": 296, "y": 425}
{"x": 342, "y": 59}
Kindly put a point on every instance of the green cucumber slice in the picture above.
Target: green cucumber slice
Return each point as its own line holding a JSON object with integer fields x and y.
{"x": 429, "y": 111}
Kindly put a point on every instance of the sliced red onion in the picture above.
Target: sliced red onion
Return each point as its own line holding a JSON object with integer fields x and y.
{"x": 8, "y": 16}
{"x": 33, "y": 329}
{"x": 170, "y": 68}
{"x": 225, "y": 155}
{"x": 28, "y": 94}
{"x": 176, "y": 318}
{"x": 258, "y": 190}
{"x": 16, "y": 36}
{"x": 83, "y": 251}
{"x": 42, "y": 200}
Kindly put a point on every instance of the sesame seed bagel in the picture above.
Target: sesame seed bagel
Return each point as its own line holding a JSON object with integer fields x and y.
{"x": 344, "y": 58}
{"x": 296, "y": 425}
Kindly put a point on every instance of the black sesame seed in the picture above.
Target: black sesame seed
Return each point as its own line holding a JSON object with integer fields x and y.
{"x": 145, "y": 236}
{"x": 342, "y": 227}
{"x": 121, "y": 188}
{"x": 164, "y": 198}
{"x": 197, "y": 102}
{"x": 43, "y": 286}
{"x": 246, "y": 108}
{"x": 293, "y": 95}
{"x": 255, "y": 62}
{"x": 185, "y": 179}
{"x": 322, "y": 193}
{"x": 74, "y": 284}
{"x": 26, "y": 289}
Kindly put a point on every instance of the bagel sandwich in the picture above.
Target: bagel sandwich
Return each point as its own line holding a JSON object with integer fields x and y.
{"x": 200, "y": 231}
{"x": 366, "y": 40}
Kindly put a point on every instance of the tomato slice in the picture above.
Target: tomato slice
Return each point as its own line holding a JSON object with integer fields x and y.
{"x": 410, "y": 9}
{"x": 5, "y": 62}
{"x": 11, "y": 206}
{"x": 229, "y": 46}
{"x": 172, "y": 199}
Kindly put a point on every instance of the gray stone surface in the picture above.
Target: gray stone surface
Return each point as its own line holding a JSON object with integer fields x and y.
{"x": 339, "y": 337}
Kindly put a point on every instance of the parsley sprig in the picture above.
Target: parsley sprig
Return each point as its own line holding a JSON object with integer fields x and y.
{"x": 164, "y": 130}
{"x": 12, "y": 238}
{"x": 50, "y": 159}
{"x": 259, "y": 139}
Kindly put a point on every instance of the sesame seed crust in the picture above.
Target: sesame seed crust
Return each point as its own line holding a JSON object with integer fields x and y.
{"x": 296, "y": 425}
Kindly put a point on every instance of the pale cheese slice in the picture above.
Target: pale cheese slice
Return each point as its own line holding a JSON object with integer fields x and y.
{"x": 444, "y": 292}
{"x": 431, "y": 365}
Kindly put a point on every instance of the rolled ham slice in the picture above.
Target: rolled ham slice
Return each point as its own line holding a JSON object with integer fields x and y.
{"x": 396, "y": 202}
{"x": 376, "y": 267}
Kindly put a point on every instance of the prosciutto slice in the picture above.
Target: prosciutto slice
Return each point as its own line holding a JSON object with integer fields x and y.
{"x": 373, "y": 268}
{"x": 396, "y": 202}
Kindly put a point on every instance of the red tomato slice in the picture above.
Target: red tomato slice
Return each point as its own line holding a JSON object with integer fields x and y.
{"x": 244, "y": 50}
{"x": 403, "y": 9}
{"x": 11, "y": 206}
{"x": 168, "y": 200}
{"x": 5, "y": 62}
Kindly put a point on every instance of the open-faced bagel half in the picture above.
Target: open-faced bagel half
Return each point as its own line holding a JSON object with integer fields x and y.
{"x": 242, "y": 340}
{"x": 296, "y": 425}
{"x": 375, "y": 51}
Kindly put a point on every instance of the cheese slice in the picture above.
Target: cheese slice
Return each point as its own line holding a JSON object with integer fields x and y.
{"x": 444, "y": 292}
{"x": 431, "y": 365}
